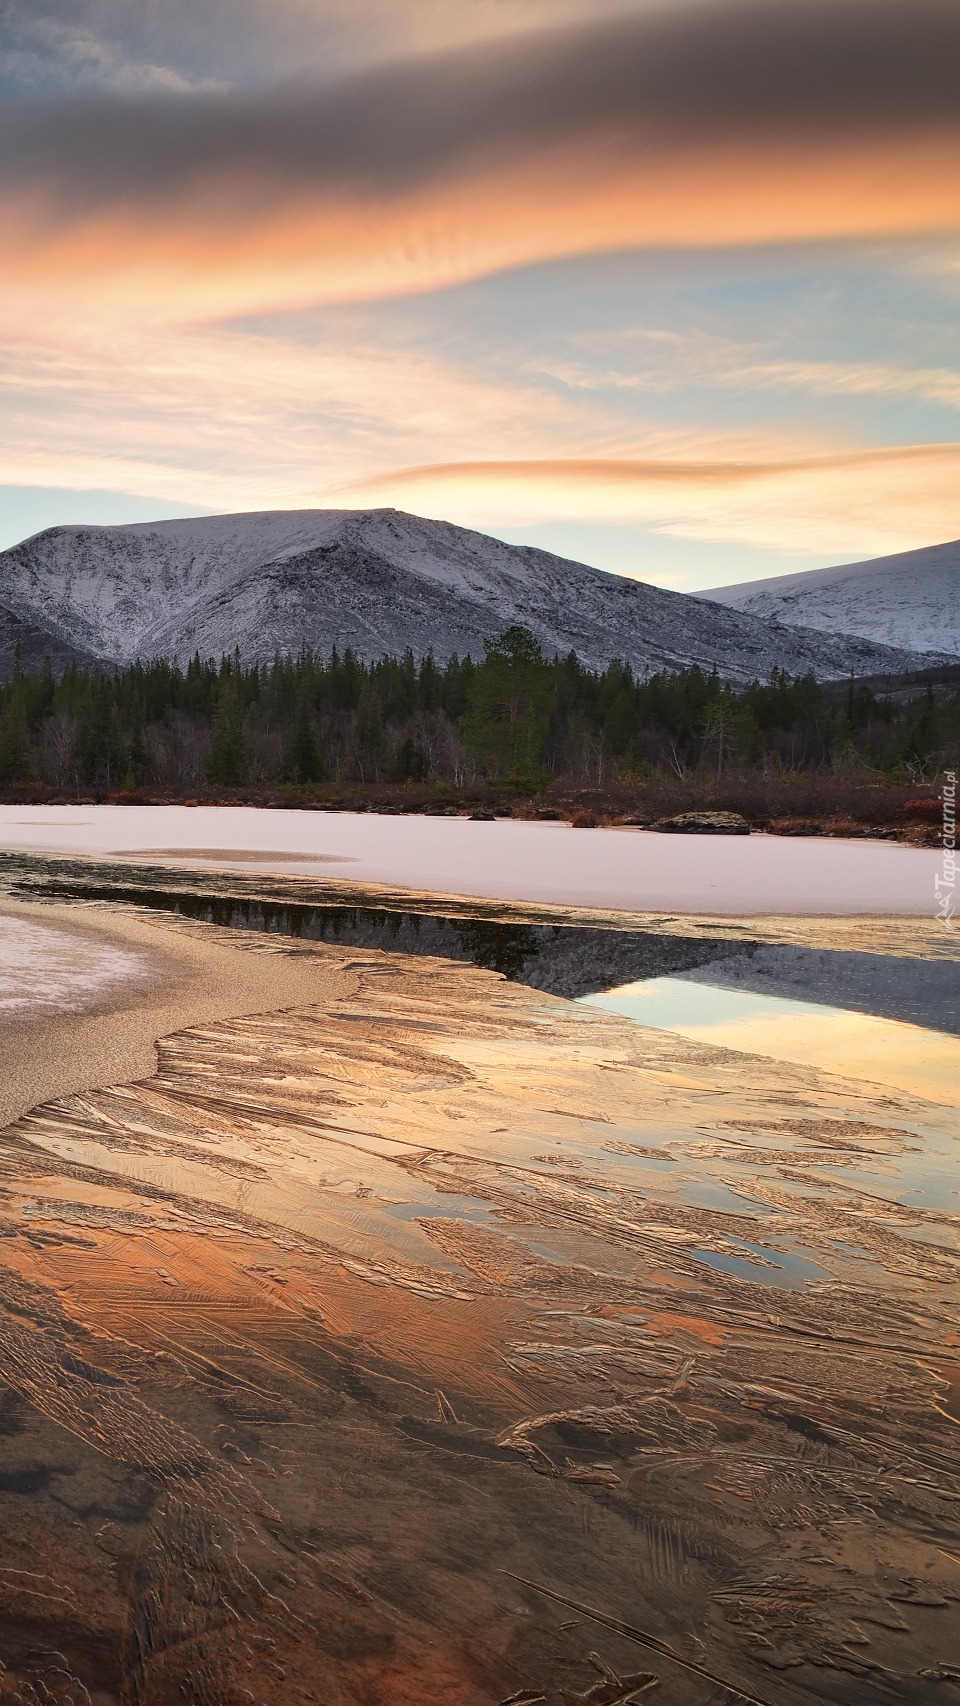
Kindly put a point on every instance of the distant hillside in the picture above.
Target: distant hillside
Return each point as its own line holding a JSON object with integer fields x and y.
{"x": 911, "y": 599}
{"x": 380, "y": 581}
{"x": 30, "y": 644}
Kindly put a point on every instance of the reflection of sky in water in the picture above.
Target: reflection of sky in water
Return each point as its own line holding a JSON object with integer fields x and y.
{"x": 710, "y": 1193}
{"x": 445, "y": 1206}
{"x": 856, "y": 1045}
{"x": 789, "y": 1272}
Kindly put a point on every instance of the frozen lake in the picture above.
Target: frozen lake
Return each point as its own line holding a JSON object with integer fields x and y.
{"x": 551, "y": 863}
{"x": 42, "y": 967}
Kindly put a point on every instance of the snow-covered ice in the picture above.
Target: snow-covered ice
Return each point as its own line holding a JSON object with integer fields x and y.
{"x": 625, "y": 870}
{"x": 44, "y": 967}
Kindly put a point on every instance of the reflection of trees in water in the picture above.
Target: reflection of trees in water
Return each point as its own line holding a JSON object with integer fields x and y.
{"x": 505, "y": 948}
{"x": 498, "y": 947}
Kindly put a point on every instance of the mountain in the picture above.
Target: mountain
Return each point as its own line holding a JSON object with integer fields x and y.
{"x": 379, "y": 581}
{"x": 25, "y": 642}
{"x": 910, "y": 599}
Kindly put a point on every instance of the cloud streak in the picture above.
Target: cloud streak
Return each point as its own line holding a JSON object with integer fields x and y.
{"x": 864, "y": 503}
{"x": 703, "y": 124}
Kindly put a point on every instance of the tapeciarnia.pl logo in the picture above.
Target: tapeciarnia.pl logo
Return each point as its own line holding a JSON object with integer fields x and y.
{"x": 945, "y": 883}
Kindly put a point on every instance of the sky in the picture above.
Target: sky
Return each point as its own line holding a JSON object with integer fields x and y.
{"x": 671, "y": 289}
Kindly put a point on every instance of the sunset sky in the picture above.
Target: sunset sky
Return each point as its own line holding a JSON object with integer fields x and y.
{"x": 669, "y": 288}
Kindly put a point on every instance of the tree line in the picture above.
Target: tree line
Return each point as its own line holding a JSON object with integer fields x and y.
{"x": 514, "y": 717}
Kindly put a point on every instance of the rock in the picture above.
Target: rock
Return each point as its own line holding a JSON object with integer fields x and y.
{"x": 704, "y": 823}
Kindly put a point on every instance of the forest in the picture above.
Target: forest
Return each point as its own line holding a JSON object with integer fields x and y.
{"x": 515, "y": 719}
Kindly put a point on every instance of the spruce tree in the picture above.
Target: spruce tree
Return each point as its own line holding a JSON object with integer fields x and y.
{"x": 508, "y": 707}
{"x": 303, "y": 760}
{"x": 227, "y": 763}
{"x": 16, "y": 753}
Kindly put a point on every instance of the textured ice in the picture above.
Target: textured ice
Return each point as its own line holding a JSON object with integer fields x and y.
{"x": 43, "y": 967}
{"x": 361, "y": 1330}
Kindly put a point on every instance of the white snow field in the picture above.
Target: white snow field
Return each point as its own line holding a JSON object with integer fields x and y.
{"x": 910, "y": 599}
{"x": 624, "y": 870}
{"x": 45, "y": 967}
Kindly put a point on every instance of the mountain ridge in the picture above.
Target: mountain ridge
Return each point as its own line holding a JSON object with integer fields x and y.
{"x": 380, "y": 581}
{"x": 908, "y": 598}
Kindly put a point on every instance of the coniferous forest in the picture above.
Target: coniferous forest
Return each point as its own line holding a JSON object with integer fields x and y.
{"x": 514, "y": 725}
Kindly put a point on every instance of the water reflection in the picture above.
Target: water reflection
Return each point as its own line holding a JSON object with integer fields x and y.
{"x": 907, "y": 1057}
{"x": 506, "y": 948}
{"x": 562, "y": 959}
{"x": 770, "y": 1267}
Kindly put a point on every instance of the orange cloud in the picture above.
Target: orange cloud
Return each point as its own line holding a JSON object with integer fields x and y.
{"x": 712, "y": 124}
{"x": 867, "y": 503}
{"x": 237, "y": 244}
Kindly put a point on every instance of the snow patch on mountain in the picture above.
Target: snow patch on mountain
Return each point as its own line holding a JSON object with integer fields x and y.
{"x": 911, "y": 599}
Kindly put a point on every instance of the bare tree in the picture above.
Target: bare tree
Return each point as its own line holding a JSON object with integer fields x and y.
{"x": 58, "y": 737}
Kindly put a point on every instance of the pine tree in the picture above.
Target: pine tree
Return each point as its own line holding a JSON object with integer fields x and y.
{"x": 303, "y": 760}
{"x": 508, "y": 707}
{"x": 227, "y": 763}
{"x": 16, "y": 753}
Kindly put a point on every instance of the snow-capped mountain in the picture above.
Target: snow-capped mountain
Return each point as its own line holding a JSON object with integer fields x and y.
{"x": 27, "y": 644}
{"x": 379, "y": 581}
{"x": 911, "y": 599}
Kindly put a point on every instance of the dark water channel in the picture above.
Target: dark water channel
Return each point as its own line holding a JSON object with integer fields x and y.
{"x": 567, "y": 960}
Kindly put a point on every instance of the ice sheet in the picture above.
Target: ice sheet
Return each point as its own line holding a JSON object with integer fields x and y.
{"x": 629, "y": 870}
{"x": 42, "y": 967}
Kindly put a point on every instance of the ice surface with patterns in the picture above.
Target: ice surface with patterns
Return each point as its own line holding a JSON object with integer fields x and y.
{"x": 42, "y": 967}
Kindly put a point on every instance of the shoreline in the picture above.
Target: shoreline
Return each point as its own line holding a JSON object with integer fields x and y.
{"x": 858, "y": 809}
{"x": 195, "y": 979}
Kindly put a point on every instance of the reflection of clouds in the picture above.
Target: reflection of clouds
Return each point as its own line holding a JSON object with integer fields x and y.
{"x": 923, "y": 1063}
{"x": 42, "y": 967}
{"x": 854, "y": 1045}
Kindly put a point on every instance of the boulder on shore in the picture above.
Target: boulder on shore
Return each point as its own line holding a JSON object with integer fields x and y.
{"x": 704, "y": 823}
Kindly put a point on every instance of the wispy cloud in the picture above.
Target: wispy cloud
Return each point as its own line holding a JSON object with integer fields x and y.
{"x": 84, "y": 44}
{"x": 167, "y": 166}
{"x": 226, "y": 420}
{"x": 708, "y": 123}
{"x": 863, "y": 503}
{"x": 672, "y": 361}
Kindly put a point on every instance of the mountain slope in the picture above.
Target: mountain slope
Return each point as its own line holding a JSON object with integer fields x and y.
{"x": 379, "y": 581}
{"x": 911, "y": 599}
{"x": 24, "y": 642}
